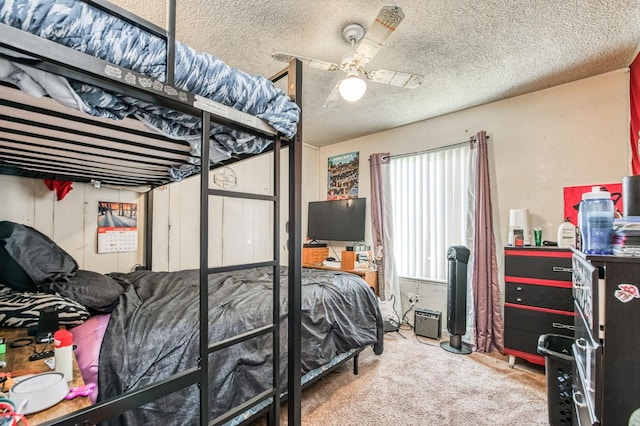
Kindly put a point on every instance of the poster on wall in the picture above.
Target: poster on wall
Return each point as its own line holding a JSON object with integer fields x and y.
{"x": 573, "y": 196}
{"x": 342, "y": 176}
{"x": 117, "y": 227}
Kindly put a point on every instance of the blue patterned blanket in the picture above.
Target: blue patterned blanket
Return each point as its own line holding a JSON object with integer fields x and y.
{"x": 80, "y": 26}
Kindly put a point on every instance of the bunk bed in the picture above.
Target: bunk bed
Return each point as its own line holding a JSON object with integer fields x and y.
{"x": 183, "y": 125}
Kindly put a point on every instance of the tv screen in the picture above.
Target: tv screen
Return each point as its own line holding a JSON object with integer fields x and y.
{"x": 337, "y": 220}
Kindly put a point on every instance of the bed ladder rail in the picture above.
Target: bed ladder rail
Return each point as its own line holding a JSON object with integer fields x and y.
{"x": 206, "y": 347}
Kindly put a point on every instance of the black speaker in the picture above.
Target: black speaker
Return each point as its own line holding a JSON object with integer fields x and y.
{"x": 427, "y": 323}
{"x": 458, "y": 257}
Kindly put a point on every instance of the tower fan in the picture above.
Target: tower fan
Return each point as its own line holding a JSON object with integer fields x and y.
{"x": 458, "y": 257}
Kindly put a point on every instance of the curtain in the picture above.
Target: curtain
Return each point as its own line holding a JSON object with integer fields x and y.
{"x": 634, "y": 112}
{"x": 489, "y": 329}
{"x": 382, "y": 230}
{"x": 470, "y": 224}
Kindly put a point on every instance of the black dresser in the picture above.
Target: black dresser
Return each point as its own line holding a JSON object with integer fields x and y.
{"x": 538, "y": 299}
{"x": 606, "y": 370}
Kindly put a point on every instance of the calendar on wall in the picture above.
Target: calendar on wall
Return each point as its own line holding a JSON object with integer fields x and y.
{"x": 117, "y": 227}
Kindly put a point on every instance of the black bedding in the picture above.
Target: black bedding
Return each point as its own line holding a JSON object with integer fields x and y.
{"x": 154, "y": 333}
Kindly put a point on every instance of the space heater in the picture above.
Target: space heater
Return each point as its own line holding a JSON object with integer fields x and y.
{"x": 458, "y": 257}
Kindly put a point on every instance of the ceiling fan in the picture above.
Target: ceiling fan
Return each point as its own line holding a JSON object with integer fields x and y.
{"x": 353, "y": 63}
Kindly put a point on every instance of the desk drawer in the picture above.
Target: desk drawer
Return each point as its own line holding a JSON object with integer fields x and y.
{"x": 539, "y": 321}
{"x": 523, "y": 327}
{"x": 521, "y": 340}
{"x": 559, "y": 298}
{"x": 535, "y": 263}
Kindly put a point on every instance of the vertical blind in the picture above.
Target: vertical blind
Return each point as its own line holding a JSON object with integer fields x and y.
{"x": 429, "y": 196}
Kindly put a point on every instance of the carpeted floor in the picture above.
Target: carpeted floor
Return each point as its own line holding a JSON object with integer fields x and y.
{"x": 415, "y": 382}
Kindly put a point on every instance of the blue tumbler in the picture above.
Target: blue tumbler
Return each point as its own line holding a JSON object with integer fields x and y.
{"x": 595, "y": 219}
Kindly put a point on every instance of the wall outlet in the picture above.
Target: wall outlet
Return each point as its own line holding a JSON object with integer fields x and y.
{"x": 413, "y": 298}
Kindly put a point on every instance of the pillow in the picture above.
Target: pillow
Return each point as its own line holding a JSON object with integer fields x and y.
{"x": 91, "y": 289}
{"x": 36, "y": 255}
{"x": 22, "y": 309}
{"x": 12, "y": 274}
{"x": 88, "y": 339}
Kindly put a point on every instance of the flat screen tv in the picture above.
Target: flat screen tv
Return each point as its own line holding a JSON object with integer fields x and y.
{"x": 337, "y": 220}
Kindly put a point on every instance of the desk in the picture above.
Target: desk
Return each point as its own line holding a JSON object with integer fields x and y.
{"x": 18, "y": 359}
{"x": 369, "y": 275}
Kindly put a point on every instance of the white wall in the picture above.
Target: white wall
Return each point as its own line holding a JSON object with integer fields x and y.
{"x": 573, "y": 134}
{"x": 239, "y": 230}
{"x": 71, "y": 222}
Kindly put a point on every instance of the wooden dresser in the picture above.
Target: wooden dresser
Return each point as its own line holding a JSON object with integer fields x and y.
{"x": 538, "y": 299}
{"x": 17, "y": 360}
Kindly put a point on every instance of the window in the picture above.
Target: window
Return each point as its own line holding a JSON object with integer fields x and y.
{"x": 430, "y": 195}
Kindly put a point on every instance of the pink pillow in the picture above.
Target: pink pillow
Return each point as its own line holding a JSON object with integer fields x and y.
{"x": 88, "y": 339}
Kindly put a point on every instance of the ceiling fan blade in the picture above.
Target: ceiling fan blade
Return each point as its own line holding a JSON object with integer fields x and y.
{"x": 382, "y": 27}
{"x": 395, "y": 78}
{"x": 333, "y": 97}
{"x": 313, "y": 63}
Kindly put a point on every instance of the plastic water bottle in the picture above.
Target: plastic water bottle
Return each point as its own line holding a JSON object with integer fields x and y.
{"x": 62, "y": 352}
{"x": 595, "y": 220}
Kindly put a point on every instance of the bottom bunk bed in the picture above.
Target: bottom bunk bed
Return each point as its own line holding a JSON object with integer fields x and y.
{"x": 145, "y": 328}
{"x": 152, "y": 333}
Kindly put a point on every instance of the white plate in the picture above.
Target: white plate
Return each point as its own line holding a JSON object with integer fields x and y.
{"x": 38, "y": 392}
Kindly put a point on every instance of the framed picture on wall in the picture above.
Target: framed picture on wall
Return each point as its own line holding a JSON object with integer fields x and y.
{"x": 342, "y": 176}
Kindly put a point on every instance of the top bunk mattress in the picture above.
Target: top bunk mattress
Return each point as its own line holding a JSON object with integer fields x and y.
{"x": 83, "y": 27}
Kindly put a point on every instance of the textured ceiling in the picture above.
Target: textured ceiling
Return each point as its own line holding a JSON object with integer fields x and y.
{"x": 470, "y": 52}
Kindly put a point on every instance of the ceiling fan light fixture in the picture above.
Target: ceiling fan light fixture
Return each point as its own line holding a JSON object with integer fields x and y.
{"x": 352, "y": 88}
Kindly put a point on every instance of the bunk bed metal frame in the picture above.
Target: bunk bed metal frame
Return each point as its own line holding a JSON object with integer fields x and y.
{"x": 28, "y": 49}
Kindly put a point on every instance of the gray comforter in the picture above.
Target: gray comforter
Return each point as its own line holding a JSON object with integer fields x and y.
{"x": 154, "y": 331}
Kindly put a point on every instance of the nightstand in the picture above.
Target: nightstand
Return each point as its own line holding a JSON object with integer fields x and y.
{"x": 17, "y": 359}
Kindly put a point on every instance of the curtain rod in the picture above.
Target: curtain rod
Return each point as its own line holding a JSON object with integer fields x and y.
{"x": 440, "y": 148}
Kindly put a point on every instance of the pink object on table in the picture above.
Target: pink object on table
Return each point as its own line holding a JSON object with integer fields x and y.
{"x": 84, "y": 390}
{"x": 88, "y": 339}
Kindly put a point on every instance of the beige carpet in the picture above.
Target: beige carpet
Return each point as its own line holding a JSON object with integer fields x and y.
{"x": 415, "y": 382}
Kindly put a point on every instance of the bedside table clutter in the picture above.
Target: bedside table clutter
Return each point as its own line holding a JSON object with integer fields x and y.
{"x": 314, "y": 258}
{"x": 20, "y": 348}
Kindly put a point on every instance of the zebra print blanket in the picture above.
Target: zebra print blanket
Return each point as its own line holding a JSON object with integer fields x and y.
{"x": 22, "y": 308}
